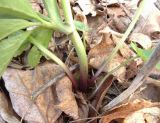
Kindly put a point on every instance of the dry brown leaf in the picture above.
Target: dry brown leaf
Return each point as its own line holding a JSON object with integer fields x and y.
{"x": 119, "y": 20}
{"x": 6, "y": 110}
{"x": 83, "y": 107}
{"x": 125, "y": 110}
{"x": 132, "y": 70}
{"x": 143, "y": 40}
{"x": 146, "y": 115}
{"x": 66, "y": 98}
{"x": 115, "y": 10}
{"x": 95, "y": 24}
{"x": 125, "y": 51}
{"x": 21, "y": 84}
{"x": 99, "y": 53}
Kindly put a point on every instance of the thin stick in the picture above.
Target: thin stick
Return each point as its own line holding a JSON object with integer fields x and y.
{"x": 121, "y": 42}
{"x": 138, "y": 81}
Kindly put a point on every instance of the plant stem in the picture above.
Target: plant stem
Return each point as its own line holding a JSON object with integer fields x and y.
{"x": 52, "y": 8}
{"x": 54, "y": 58}
{"x": 56, "y": 22}
{"x": 77, "y": 42}
{"x": 121, "y": 42}
{"x": 57, "y": 26}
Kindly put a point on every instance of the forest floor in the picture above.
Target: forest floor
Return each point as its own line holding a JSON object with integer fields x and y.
{"x": 126, "y": 91}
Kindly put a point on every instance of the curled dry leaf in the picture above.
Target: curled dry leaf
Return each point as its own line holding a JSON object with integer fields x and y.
{"x": 21, "y": 84}
{"x": 99, "y": 53}
{"x": 66, "y": 98}
{"x": 125, "y": 110}
{"x": 6, "y": 111}
{"x": 143, "y": 40}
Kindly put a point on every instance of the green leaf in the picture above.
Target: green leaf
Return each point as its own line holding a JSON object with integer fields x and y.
{"x": 8, "y": 48}
{"x": 43, "y": 36}
{"x": 144, "y": 54}
{"x": 81, "y": 26}
{"x": 8, "y": 26}
{"x": 22, "y": 48}
{"x": 17, "y": 8}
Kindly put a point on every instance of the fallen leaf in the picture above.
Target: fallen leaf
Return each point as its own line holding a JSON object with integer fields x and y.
{"x": 20, "y": 85}
{"x": 99, "y": 96}
{"x": 66, "y": 98}
{"x": 146, "y": 115}
{"x": 125, "y": 110}
{"x": 120, "y": 17}
{"x": 116, "y": 10}
{"x": 132, "y": 70}
{"x": 99, "y": 53}
{"x": 6, "y": 112}
{"x": 125, "y": 51}
{"x": 96, "y": 24}
{"x": 83, "y": 107}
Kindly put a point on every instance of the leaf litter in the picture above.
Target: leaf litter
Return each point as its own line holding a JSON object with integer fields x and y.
{"x": 107, "y": 21}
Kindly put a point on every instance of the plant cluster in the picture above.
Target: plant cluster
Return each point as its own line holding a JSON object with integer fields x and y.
{"x": 15, "y": 19}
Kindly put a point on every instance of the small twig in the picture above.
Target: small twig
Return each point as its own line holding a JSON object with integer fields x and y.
{"x": 50, "y": 83}
{"x": 138, "y": 81}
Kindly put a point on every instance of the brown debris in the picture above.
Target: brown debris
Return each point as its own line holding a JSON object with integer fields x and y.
{"x": 125, "y": 110}
{"x": 66, "y": 98}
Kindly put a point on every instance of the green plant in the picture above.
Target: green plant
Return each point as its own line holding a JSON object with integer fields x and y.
{"x": 144, "y": 54}
{"x": 17, "y": 16}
